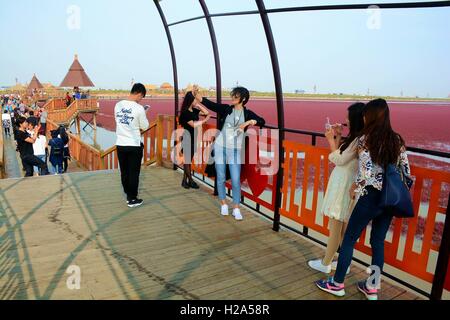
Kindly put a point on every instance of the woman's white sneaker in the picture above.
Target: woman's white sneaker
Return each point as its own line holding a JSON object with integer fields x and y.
{"x": 224, "y": 210}
{"x": 237, "y": 214}
{"x": 317, "y": 265}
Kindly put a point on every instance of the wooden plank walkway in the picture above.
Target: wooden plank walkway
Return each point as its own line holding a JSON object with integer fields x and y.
{"x": 175, "y": 246}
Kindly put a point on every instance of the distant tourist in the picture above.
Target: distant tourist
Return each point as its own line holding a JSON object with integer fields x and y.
{"x": 43, "y": 120}
{"x": 32, "y": 119}
{"x": 337, "y": 204}
{"x": 68, "y": 99}
{"x": 6, "y": 122}
{"x": 77, "y": 94}
{"x": 39, "y": 150}
{"x": 25, "y": 147}
{"x": 189, "y": 120}
{"x": 56, "y": 145}
{"x": 234, "y": 120}
{"x": 66, "y": 151}
{"x": 378, "y": 147}
{"x": 22, "y": 108}
{"x": 131, "y": 120}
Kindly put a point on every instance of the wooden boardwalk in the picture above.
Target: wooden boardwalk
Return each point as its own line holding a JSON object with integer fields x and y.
{"x": 175, "y": 246}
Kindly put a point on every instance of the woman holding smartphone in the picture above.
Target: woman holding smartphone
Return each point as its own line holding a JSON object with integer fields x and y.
{"x": 189, "y": 120}
{"x": 337, "y": 204}
{"x": 378, "y": 146}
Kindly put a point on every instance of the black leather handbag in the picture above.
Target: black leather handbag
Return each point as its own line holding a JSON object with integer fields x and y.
{"x": 395, "y": 194}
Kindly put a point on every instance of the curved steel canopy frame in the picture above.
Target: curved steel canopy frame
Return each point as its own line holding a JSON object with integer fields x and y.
{"x": 443, "y": 259}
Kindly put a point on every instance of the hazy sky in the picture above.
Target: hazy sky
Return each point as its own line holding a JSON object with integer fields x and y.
{"x": 388, "y": 52}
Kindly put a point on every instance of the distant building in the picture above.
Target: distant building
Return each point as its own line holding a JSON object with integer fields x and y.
{"x": 300, "y": 91}
{"x": 151, "y": 87}
{"x": 76, "y": 76}
{"x": 166, "y": 87}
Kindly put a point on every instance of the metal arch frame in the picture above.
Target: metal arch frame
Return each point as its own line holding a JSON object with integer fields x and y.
{"x": 174, "y": 61}
{"x": 444, "y": 252}
{"x": 215, "y": 48}
{"x": 280, "y": 107}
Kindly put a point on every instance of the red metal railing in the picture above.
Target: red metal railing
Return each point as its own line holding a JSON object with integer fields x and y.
{"x": 411, "y": 257}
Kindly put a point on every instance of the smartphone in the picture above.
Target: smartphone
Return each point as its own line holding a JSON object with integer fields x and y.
{"x": 328, "y": 124}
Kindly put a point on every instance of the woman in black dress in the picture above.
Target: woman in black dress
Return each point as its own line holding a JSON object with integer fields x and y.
{"x": 189, "y": 120}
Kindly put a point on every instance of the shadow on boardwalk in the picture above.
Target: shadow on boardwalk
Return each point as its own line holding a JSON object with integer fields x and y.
{"x": 175, "y": 246}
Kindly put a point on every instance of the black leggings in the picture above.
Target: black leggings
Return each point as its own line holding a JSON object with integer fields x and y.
{"x": 30, "y": 161}
{"x": 130, "y": 167}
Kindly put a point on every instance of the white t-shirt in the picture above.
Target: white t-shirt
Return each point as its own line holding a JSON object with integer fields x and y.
{"x": 6, "y": 116}
{"x": 130, "y": 119}
{"x": 39, "y": 145}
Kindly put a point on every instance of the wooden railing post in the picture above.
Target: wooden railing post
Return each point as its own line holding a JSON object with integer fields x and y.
{"x": 159, "y": 139}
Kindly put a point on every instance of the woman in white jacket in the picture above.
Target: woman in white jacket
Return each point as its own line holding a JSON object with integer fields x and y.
{"x": 337, "y": 204}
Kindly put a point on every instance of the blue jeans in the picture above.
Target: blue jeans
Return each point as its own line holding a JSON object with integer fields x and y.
{"x": 57, "y": 167}
{"x": 232, "y": 157}
{"x": 42, "y": 157}
{"x": 367, "y": 209}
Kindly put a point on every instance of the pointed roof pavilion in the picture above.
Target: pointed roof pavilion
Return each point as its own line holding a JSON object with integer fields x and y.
{"x": 34, "y": 84}
{"x": 76, "y": 77}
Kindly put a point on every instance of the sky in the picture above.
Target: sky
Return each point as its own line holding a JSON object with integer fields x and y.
{"x": 383, "y": 52}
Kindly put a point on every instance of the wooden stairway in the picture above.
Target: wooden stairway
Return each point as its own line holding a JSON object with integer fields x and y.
{"x": 60, "y": 114}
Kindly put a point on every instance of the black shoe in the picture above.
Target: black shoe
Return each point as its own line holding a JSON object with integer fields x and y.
{"x": 193, "y": 185}
{"x": 185, "y": 185}
{"x": 135, "y": 203}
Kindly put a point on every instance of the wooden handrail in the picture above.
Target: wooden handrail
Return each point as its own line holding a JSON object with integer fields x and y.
{"x": 68, "y": 113}
{"x": 113, "y": 148}
{"x": 94, "y": 159}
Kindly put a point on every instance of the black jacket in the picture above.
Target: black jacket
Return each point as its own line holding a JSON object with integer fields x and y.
{"x": 223, "y": 110}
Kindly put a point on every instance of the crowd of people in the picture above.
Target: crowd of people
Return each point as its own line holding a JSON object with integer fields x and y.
{"x": 353, "y": 198}
{"x": 76, "y": 94}
{"x": 28, "y": 126}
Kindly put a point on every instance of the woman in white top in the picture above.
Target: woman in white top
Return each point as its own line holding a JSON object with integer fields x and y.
{"x": 337, "y": 204}
{"x": 6, "y": 120}
{"x": 39, "y": 147}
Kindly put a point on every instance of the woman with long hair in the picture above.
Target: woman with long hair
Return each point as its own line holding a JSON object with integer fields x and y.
{"x": 337, "y": 204}
{"x": 378, "y": 146}
{"x": 189, "y": 120}
{"x": 66, "y": 151}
